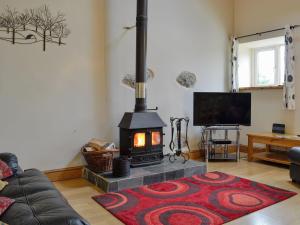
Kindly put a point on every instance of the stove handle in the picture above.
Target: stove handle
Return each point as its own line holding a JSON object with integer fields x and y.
{"x": 155, "y": 109}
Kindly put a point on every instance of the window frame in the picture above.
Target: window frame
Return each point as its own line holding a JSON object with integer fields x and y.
{"x": 254, "y": 74}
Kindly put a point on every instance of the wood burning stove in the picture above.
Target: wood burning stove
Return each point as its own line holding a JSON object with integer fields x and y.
{"x": 141, "y": 138}
{"x": 141, "y": 132}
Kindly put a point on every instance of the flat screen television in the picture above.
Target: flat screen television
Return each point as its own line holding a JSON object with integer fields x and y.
{"x": 212, "y": 108}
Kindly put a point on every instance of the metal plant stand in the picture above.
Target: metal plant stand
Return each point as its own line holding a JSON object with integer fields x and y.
{"x": 211, "y": 144}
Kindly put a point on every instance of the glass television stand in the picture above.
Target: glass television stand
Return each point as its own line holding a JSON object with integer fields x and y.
{"x": 223, "y": 149}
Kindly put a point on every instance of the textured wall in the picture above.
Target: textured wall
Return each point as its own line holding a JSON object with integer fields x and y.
{"x": 52, "y": 102}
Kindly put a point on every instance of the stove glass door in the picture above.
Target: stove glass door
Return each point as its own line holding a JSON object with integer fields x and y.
{"x": 155, "y": 138}
{"x": 139, "y": 140}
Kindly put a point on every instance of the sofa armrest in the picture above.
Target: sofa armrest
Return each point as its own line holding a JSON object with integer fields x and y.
{"x": 11, "y": 160}
{"x": 294, "y": 155}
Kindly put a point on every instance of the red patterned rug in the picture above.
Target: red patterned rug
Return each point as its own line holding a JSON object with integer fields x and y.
{"x": 210, "y": 199}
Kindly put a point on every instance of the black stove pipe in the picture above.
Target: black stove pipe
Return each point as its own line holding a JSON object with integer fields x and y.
{"x": 141, "y": 56}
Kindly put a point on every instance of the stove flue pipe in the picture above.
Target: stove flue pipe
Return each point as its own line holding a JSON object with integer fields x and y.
{"x": 141, "y": 56}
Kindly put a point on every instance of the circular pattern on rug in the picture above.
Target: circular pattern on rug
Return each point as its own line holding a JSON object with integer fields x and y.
{"x": 116, "y": 202}
{"x": 179, "y": 214}
{"x": 215, "y": 178}
{"x": 239, "y": 200}
{"x": 168, "y": 189}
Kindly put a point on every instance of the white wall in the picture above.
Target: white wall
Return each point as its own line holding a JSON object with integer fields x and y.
{"x": 188, "y": 35}
{"x": 52, "y": 102}
{"x": 260, "y": 15}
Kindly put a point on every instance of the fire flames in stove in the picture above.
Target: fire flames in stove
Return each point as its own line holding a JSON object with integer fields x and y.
{"x": 139, "y": 140}
{"x": 155, "y": 138}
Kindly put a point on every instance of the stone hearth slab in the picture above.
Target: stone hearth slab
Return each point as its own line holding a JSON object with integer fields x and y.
{"x": 146, "y": 175}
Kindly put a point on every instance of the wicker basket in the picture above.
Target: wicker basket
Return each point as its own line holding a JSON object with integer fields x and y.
{"x": 99, "y": 161}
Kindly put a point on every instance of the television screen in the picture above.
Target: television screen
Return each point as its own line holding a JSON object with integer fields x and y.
{"x": 212, "y": 108}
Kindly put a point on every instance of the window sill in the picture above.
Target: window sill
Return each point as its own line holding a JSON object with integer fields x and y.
{"x": 261, "y": 88}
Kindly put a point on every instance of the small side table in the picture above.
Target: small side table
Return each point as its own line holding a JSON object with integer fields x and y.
{"x": 211, "y": 143}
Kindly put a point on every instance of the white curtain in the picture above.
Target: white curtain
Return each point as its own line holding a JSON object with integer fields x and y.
{"x": 234, "y": 65}
{"x": 289, "y": 94}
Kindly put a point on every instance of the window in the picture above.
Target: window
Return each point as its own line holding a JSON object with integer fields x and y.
{"x": 269, "y": 66}
{"x": 261, "y": 63}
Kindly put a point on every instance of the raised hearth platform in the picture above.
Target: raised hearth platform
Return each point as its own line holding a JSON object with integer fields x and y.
{"x": 146, "y": 175}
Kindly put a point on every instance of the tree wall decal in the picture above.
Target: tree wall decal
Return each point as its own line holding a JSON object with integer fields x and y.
{"x": 33, "y": 26}
{"x": 24, "y": 19}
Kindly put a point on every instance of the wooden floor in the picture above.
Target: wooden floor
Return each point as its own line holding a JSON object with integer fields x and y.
{"x": 79, "y": 192}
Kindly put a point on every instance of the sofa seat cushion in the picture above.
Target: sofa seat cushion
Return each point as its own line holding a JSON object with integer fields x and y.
{"x": 30, "y": 182}
{"x": 40, "y": 210}
{"x": 37, "y": 202}
{"x": 294, "y": 155}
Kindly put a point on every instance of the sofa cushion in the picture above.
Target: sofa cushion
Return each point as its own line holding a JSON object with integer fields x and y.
{"x": 5, "y": 171}
{"x": 40, "y": 209}
{"x": 5, "y": 203}
{"x": 3, "y": 184}
{"x": 29, "y": 182}
{"x": 11, "y": 160}
{"x": 37, "y": 202}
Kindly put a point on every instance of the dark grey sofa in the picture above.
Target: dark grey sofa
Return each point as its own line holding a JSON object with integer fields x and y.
{"x": 294, "y": 156}
{"x": 37, "y": 201}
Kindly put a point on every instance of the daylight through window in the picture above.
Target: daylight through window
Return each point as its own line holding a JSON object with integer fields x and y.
{"x": 261, "y": 63}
